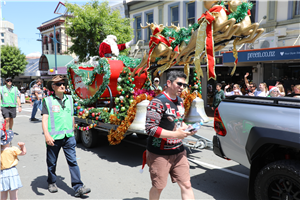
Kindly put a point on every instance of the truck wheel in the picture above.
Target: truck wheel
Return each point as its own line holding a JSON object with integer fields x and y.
{"x": 278, "y": 180}
{"x": 89, "y": 138}
{"x": 77, "y": 135}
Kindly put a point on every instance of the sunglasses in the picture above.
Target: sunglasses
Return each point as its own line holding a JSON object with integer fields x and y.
{"x": 156, "y": 81}
{"x": 9, "y": 80}
{"x": 182, "y": 84}
{"x": 59, "y": 84}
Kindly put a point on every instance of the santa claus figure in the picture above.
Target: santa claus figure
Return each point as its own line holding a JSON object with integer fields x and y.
{"x": 109, "y": 47}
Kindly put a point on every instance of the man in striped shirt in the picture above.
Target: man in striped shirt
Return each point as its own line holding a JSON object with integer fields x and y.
{"x": 36, "y": 97}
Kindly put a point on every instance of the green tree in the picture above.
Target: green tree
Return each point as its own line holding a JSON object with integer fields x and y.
{"x": 91, "y": 23}
{"x": 13, "y": 62}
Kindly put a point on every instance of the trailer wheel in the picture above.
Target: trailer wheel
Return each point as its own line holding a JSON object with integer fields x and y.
{"x": 89, "y": 138}
{"x": 77, "y": 135}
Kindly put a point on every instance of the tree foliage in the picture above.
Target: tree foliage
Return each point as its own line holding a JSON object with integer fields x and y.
{"x": 13, "y": 62}
{"x": 91, "y": 23}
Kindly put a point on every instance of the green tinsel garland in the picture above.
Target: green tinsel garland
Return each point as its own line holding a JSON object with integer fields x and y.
{"x": 126, "y": 89}
{"x": 102, "y": 68}
{"x": 184, "y": 34}
{"x": 241, "y": 11}
{"x": 87, "y": 76}
{"x": 129, "y": 61}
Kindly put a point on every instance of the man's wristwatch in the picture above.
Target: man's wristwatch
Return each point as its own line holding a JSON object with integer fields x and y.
{"x": 20, "y": 106}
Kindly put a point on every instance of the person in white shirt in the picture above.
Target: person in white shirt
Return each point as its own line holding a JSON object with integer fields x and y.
{"x": 263, "y": 90}
{"x": 236, "y": 90}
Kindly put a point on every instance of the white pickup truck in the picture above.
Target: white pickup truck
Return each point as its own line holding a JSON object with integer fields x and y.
{"x": 263, "y": 134}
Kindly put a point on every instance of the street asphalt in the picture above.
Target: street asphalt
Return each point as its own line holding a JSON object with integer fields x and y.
{"x": 112, "y": 172}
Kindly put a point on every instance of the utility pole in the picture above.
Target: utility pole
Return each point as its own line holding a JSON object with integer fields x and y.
{"x": 55, "y": 42}
{"x": 1, "y": 13}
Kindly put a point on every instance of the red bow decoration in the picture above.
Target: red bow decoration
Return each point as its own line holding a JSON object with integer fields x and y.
{"x": 155, "y": 40}
{"x": 210, "y": 40}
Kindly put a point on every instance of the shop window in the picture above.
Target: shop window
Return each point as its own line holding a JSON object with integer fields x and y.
{"x": 175, "y": 15}
{"x": 253, "y": 12}
{"x": 149, "y": 20}
{"x": 272, "y": 7}
{"x": 58, "y": 44}
{"x": 46, "y": 43}
{"x": 138, "y": 29}
{"x": 52, "y": 47}
{"x": 287, "y": 73}
{"x": 190, "y": 14}
{"x": 296, "y": 9}
{"x": 160, "y": 15}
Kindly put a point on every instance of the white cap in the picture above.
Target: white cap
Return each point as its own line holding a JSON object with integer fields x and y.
{"x": 156, "y": 79}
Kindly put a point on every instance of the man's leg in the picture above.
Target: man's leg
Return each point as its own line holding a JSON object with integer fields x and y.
{"x": 11, "y": 123}
{"x": 34, "y": 109}
{"x": 180, "y": 173}
{"x": 154, "y": 193}
{"x": 186, "y": 190}
{"x": 70, "y": 153}
{"x": 159, "y": 168}
{"x": 7, "y": 123}
{"x": 52, "y": 155}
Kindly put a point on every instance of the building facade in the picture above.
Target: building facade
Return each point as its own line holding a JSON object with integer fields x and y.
{"x": 47, "y": 35}
{"x": 7, "y": 35}
{"x": 281, "y": 31}
{"x": 120, "y": 7}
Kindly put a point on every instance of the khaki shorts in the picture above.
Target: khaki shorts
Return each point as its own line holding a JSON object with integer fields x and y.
{"x": 160, "y": 166}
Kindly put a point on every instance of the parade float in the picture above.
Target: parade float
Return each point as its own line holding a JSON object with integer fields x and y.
{"x": 112, "y": 94}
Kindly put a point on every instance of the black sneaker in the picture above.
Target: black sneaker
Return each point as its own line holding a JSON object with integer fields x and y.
{"x": 52, "y": 187}
{"x": 34, "y": 119}
{"x": 81, "y": 191}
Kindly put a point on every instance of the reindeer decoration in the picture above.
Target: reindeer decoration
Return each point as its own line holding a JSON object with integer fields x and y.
{"x": 159, "y": 47}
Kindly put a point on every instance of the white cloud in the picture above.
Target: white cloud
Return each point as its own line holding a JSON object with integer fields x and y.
{"x": 34, "y": 54}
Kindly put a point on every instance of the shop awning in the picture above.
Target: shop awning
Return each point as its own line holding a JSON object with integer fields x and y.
{"x": 264, "y": 55}
{"x": 32, "y": 68}
{"x": 47, "y": 62}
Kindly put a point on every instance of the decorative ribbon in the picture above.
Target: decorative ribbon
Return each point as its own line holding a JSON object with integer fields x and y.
{"x": 167, "y": 65}
{"x": 155, "y": 40}
{"x": 205, "y": 37}
{"x": 235, "y": 55}
{"x": 187, "y": 71}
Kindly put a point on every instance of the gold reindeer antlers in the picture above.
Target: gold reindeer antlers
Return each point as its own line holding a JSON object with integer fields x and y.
{"x": 143, "y": 27}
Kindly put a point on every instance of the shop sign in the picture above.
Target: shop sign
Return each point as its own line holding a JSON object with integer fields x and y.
{"x": 264, "y": 55}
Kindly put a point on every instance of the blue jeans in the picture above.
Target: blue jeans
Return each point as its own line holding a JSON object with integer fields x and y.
{"x": 36, "y": 104}
{"x": 68, "y": 145}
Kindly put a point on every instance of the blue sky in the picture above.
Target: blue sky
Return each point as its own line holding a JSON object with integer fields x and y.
{"x": 27, "y": 16}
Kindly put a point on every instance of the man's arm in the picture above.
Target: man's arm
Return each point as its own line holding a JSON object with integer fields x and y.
{"x": 19, "y": 104}
{"x": 246, "y": 80}
{"x": 154, "y": 114}
{"x": 48, "y": 138}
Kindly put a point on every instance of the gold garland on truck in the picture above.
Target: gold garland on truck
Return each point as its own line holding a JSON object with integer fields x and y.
{"x": 116, "y": 136}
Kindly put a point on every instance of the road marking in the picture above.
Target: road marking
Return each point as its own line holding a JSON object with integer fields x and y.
{"x": 220, "y": 168}
{"x": 23, "y": 116}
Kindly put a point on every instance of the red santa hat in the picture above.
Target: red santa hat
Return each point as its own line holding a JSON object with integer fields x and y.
{"x": 271, "y": 88}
